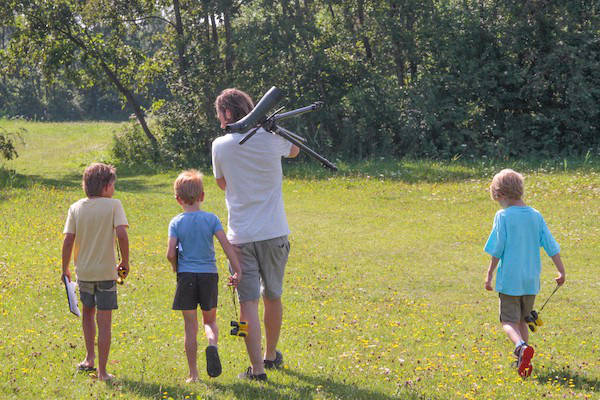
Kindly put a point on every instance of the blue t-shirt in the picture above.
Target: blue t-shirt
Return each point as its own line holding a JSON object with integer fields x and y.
{"x": 516, "y": 238}
{"x": 194, "y": 232}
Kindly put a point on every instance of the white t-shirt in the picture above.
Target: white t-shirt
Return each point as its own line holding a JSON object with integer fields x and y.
{"x": 253, "y": 175}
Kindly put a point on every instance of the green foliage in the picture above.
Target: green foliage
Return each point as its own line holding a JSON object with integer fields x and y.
{"x": 131, "y": 147}
{"x": 513, "y": 86}
{"x": 423, "y": 78}
{"x": 7, "y": 146}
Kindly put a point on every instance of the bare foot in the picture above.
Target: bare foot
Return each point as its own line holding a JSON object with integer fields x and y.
{"x": 192, "y": 379}
{"x": 105, "y": 377}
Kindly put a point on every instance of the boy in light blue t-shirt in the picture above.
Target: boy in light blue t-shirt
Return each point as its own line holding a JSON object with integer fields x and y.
{"x": 192, "y": 256}
{"x": 514, "y": 244}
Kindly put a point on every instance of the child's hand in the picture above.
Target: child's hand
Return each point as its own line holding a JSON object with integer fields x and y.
{"x": 488, "y": 284}
{"x": 560, "y": 279}
{"x": 66, "y": 273}
{"x": 234, "y": 280}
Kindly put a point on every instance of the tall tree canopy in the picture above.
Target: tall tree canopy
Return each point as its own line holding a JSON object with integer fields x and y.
{"x": 419, "y": 77}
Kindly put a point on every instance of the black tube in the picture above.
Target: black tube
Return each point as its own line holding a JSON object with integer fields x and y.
{"x": 258, "y": 113}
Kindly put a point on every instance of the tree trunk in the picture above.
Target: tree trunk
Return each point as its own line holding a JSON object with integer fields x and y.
{"x": 130, "y": 100}
{"x": 397, "y": 44}
{"x": 180, "y": 40}
{"x": 213, "y": 24}
{"x": 207, "y": 28}
{"x": 364, "y": 38}
{"x": 228, "y": 46}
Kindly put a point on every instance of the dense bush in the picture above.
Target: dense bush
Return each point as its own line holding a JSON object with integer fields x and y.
{"x": 472, "y": 79}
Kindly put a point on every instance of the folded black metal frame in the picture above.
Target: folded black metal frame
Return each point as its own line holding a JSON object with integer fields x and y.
{"x": 270, "y": 124}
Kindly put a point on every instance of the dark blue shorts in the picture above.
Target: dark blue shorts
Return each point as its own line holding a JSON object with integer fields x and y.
{"x": 196, "y": 288}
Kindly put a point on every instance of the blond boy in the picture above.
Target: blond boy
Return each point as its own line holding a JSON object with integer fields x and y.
{"x": 192, "y": 255}
{"x": 514, "y": 244}
{"x": 90, "y": 230}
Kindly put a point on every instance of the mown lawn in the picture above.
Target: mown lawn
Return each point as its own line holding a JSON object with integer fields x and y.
{"x": 383, "y": 295}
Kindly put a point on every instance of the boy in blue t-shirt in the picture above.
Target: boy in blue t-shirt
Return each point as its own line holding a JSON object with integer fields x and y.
{"x": 514, "y": 244}
{"x": 192, "y": 256}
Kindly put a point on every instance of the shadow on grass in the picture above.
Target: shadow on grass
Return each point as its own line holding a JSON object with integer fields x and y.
{"x": 11, "y": 179}
{"x": 568, "y": 378}
{"x": 240, "y": 390}
{"x": 307, "y": 387}
{"x": 150, "y": 390}
{"x": 342, "y": 390}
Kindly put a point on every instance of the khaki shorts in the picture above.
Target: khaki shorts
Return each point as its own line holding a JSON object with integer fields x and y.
{"x": 515, "y": 308}
{"x": 100, "y": 294}
{"x": 263, "y": 266}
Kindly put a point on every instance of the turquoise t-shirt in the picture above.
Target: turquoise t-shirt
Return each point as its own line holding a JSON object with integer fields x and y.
{"x": 194, "y": 232}
{"x": 516, "y": 238}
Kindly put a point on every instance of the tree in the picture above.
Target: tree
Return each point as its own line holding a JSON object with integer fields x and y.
{"x": 85, "y": 39}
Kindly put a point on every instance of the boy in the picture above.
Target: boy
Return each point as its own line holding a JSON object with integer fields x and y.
{"x": 194, "y": 262}
{"x": 514, "y": 244}
{"x": 90, "y": 230}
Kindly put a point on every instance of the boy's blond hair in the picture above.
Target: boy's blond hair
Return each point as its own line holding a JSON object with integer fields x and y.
{"x": 508, "y": 184}
{"x": 238, "y": 102}
{"x": 96, "y": 176}
{"x": 188, "y": 186}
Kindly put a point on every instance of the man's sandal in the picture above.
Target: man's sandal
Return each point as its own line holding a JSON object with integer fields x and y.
{"x": 276, "y": 363}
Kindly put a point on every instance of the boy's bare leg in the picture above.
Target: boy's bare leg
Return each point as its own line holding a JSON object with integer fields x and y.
{"x": 273, "y": 317}
{"x": 104, "y": 319}
{"x": 190, "y": 319}
{"x": 89, "y": 334}
{"x": 513, "y": 330}
{"x": 210, "y": 326}
{"x": 524, "y": 330}
{"x": 249, "y": 313}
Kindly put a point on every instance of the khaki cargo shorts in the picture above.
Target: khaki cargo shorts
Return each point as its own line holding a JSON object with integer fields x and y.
{"x": 263, "y": 266}
{"x": 515, "y": 308}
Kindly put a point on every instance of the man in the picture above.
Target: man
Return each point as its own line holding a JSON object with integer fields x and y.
{"x": 251, "y": 177}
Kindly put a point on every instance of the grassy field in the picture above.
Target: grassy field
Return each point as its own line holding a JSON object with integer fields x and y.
{"x": 383, "y": 295}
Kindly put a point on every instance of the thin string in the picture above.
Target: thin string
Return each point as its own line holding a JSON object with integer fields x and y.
{"x": 234, "y": 305}
{"x": 555, "y": 289}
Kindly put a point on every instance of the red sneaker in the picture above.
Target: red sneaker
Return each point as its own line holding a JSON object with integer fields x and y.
{"x": 525, "y": 356}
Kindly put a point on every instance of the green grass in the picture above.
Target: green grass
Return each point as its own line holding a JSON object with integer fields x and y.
{"x": 383, "y": 294}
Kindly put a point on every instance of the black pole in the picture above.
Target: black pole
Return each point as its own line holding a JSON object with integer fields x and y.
{"x": 289, "y": 136}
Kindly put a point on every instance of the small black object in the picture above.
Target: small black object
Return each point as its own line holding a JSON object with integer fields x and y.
{"x": 533, "y": 319}
{"x": 240, "y": 328}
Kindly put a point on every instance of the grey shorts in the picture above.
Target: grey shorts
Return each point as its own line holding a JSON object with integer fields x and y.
{"x": 515, "y": 308}
{"x": 263, "y": 266}
{"x": 100, "y": 294}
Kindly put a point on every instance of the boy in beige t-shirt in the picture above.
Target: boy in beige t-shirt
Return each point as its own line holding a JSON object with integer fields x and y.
{"x": 90, "y": 230}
